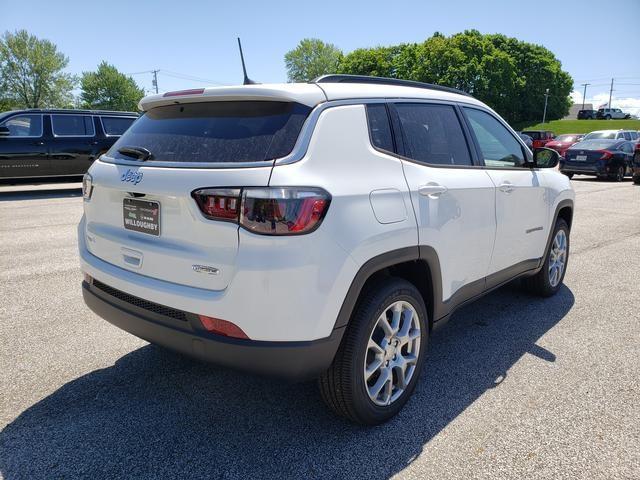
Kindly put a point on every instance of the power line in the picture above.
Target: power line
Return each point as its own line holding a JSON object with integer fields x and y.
{"x": 190, "y": 77}
{"x": 620, "y": 77}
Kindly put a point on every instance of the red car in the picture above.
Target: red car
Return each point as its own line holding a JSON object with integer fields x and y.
{"x": 540, "y": 137}
{"x": 562, "y": 142}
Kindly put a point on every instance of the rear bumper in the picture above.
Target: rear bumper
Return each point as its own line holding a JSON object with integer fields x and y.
{"x": 584, "y": 169}
{"x": 293, "y": 361}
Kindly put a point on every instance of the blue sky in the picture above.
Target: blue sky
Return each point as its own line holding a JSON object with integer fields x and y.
{"x": 193, "y": 42}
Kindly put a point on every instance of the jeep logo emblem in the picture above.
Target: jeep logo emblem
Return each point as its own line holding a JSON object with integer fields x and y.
{"x": 132, "y": 176}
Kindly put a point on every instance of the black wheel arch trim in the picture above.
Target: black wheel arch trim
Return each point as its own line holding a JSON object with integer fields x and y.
{"x": 370, "y": 267}
{"x": 566, "y": 203}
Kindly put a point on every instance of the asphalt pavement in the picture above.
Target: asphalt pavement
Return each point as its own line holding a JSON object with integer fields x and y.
{"x": 514, "y": 386}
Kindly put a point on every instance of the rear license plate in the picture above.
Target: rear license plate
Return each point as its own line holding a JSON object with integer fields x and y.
{"x": 581, "y": 158}
{"x": 141, "y": 216}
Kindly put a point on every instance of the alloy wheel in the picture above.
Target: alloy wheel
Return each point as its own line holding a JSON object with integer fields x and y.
{"x": 392, "y": 353}
{"x": 557, "y": 258}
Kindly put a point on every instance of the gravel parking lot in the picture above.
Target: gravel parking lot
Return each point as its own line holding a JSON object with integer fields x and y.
{"x": 514, "y": 386}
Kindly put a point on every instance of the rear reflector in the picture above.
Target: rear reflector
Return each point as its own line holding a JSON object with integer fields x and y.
{"x": 221, "y": 327}
{"x": 266, "y": 211}
{"x": 178, "y": 93}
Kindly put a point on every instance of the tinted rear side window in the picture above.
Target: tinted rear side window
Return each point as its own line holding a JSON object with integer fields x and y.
{"x": 379, "y": 127}
{"x": 432, "y": 134}
{"x": 73, "y": 125}
{"x": 116, "y": 125}
{"x": 216, "y": 131}
{"x": 534, "y": 135}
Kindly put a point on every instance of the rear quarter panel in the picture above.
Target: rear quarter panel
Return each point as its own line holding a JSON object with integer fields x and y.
{"x": 341, "y": 159}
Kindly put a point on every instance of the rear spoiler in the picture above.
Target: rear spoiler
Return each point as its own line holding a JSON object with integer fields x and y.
{"x": 304, "y": 93}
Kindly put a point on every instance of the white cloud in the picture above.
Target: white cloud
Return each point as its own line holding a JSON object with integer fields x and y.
{"x": 627, "y": 104}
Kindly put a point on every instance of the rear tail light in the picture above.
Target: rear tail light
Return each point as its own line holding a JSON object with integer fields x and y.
{"x": 222, "y": 327}
{"x": 266, "y": 211}
{"x": 87, "y": 186}
{"x": 283, "y": 211}
{"x": 606, "y": 154}
{"x": 219, "y": 203}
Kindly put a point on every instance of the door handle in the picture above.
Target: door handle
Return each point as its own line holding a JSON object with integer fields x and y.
{"x": 432, "y": 190}
{"x": 506, "y": 187}
{"x": 95, "y": 142}
{"x": 39, "y": 143}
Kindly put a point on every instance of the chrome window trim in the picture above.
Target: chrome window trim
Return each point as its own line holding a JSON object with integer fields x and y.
{"x": 53, "y": 130}
{"x": 41, "y": 115}
{"x": 113, "y": 116}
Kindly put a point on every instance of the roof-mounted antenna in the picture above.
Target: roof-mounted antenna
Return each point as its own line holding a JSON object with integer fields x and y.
{"x": 247, "y": 80}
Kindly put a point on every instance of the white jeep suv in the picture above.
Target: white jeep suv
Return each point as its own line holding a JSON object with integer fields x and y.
{"x": 317, "y": 230}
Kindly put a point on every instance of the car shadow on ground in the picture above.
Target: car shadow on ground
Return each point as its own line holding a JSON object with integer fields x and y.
{"x": 157, "y": 414}
{"x": 41, "y": 194}
{"x": 604, "y": 181}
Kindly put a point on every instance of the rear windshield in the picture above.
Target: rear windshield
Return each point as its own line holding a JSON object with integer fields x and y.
{"x": 216, "y": 132}
{"x": 594, "y": 145}
{"x": 595, "y": 135}
{"x": 566, "y": 138}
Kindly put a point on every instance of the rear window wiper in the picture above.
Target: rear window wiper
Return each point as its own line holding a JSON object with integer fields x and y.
{"x": 139, "y": 153}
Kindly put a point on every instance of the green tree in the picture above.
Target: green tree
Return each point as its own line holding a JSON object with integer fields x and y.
{"x": 310, "y": 59}
{"x": 377, "y": 62}
{"x": 108, "y": 89}
{"x": 7, "y": 104}
{"x": 538, "y": 69}
{"x": 31, "y": 72}
{"x": 508, "y": 74}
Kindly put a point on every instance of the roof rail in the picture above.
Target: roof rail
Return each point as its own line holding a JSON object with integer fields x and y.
{"x": 339, "y": 78}
{"x": 77, "y": 111}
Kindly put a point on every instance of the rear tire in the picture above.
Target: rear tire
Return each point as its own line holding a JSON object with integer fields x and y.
{"x": 549, "y": 279}
{"x": 365, "y": 381}
{"x": 619, "y": 175}
{"x": 636, "y": 179}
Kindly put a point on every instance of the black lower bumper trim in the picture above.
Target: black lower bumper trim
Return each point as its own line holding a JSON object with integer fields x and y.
{"x": 294, "y": 361}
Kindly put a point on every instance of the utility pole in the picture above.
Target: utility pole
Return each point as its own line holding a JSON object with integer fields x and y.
{"x": 584, "y": 95}
{"x": 546, "y": 97}
{"x": 610, "y": 92}
{"x": 154, "y": 82}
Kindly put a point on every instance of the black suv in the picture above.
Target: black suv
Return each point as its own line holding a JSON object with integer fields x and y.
{"x": 587, "y": 115}
{"x": 56, "y": 143}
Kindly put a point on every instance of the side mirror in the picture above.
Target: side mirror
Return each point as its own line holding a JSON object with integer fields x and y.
{"x": 4, "y": 132}
{"x": 545, "y": 158}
